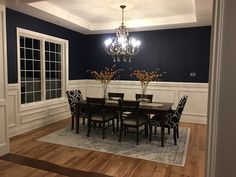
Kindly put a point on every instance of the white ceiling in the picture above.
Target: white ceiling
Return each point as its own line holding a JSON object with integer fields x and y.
{"x": 101, "y": 16}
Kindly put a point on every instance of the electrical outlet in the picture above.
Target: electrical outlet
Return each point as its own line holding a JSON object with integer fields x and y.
{"x": 192, "y": 74}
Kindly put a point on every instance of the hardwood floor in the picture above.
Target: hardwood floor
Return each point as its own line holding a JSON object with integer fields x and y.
{"x": 104, "y": 163}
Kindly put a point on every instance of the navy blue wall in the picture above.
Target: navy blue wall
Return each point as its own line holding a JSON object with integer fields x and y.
{"x": 76, "y": 42}
{"x": 176, "y": 51}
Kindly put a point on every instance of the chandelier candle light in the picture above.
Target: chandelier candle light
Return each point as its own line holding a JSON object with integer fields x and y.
{"x": 122, "y": 46}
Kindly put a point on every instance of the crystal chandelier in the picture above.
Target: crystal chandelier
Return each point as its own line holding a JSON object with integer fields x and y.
{"x": 122, "y": 47}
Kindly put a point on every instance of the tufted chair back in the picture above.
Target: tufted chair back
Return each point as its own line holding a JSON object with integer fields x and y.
{"x": 74, "y": 96}
{"x": 175, "y": 117}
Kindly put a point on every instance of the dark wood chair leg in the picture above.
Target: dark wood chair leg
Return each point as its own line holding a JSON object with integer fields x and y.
{"x": 155, "y": 130}
{"x": 77, "y": 124}
{"x": 83, "y": 121}
{"x": 121, "y": 131}
{"x": 117, "y": 124}
{"x": 103, "y": 130}
{"x": 113, "y": 126}
{"x": 175, "y": 132}
{"x": 146, "y": 130}
{"x": 89, "y": 126}
{"x": 137, "y": 134}
{"x": 150, "y": 132}
{"x": 72, "y": 122}
{"x": 168, "y": 130}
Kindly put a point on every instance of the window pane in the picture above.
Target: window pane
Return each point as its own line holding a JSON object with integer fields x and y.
{"x": 22, "y": 76}
{"x": 37, "y": 86}
{"x": 58, "y": 48}
{"x": 48, "y": 95}
{"x": 37, "y": 96}
{"x": 52, "y": 47}
{"x": 29, "y": 65}
{"x": 58, "y": 57}
{"x": 29, "y": 75}
{"x": 52, "y": 56}
{"x": 52, "y": 65}
{"x": 36, "y": 44}
{"x": 48, "y": 85}
{"x": 22, "y": 42}
{"x": 47, "y": 46}
{"x": 53, "y": 85}
{"x": 36, "y": 65}
{"x": 28, "y": 42}
{"x": 53, "y": 75}
{"x": 29, "y": 86}
{"x": 23, "y": 98}
{"x": 22, "y": 87}
{"x": 58, "y": 66}
{"x": 47, "y": 58}
{"x": 58, "y": 84}
{"x": 36, "y": 55}
{"x": 29, "y": 54}
{"x": 30, "y": 97}
{"x": 47, "y": 75}
{"x": 22, "y": 64}
{"x": 58, "y": 93}
{"x": 22, "y": 53}
{"x": 37, "y": 76}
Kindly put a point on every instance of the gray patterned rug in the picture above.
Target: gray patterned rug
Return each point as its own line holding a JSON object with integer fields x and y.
{"x": 170, "y": 154}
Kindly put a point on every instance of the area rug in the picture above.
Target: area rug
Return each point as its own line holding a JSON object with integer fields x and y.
{"x": 152, "y": 151}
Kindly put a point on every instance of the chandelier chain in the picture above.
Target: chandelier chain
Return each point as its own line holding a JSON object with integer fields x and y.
{"x": 122, "y": 46}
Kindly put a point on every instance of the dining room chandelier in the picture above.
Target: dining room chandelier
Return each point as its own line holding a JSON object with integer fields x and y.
{"x": 122, "y": 47}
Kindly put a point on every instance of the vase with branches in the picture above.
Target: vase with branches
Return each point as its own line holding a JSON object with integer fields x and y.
{"x": 105, "y": 76}
{"x": 145, "y": 77}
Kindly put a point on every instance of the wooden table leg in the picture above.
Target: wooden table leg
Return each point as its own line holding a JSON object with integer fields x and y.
{"x": 162, "y": 128}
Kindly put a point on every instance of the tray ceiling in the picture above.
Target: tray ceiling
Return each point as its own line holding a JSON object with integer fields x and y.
{"x": 100, "y": 16}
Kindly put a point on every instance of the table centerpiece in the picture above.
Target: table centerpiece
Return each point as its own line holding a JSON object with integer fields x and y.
{"x": 145, "y": 77}
{"x": 105, "y": 76}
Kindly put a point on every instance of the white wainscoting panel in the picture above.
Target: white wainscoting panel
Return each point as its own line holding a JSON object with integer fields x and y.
{"x": 22, "y": 119}
{"x": 196, "y": 107}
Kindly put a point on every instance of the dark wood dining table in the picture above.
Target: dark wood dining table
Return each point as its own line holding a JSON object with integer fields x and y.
{"x": 160, "y": 108}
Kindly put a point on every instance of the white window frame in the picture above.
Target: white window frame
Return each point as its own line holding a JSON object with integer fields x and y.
{"x": 64, "y": 67}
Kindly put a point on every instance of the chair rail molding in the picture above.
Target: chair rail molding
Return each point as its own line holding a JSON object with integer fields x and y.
{"x": 196, "y": 106}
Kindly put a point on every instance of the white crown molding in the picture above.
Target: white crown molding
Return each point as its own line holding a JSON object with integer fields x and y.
{"x": 198, "y": 14}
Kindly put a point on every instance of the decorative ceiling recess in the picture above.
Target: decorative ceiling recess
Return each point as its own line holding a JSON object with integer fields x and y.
{"x": 100, "y": 16}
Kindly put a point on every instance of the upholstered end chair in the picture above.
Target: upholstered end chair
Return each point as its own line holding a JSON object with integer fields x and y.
{"x": 74, "y": 97}
{"x": 172, "y": 119}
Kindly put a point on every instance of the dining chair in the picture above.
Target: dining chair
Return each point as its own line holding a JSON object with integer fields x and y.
{"x": 114, "y": 96}
{"x": 98, "y": 114}
{"x": 172, "y": 119}
{"x": 148, "y": 96}
{"x": 133, "y": 120}
{"x": 74, "y": 97}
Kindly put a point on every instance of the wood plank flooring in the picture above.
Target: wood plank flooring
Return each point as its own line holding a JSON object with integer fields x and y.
{"x": 99, "y": 162}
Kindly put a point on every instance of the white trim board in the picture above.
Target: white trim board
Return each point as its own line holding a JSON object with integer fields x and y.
{"x": 4, "y": 138}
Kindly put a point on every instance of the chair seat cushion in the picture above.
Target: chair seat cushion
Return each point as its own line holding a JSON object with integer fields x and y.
{"x": 99, "y": 117}
{"x": 132, "y": 121}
